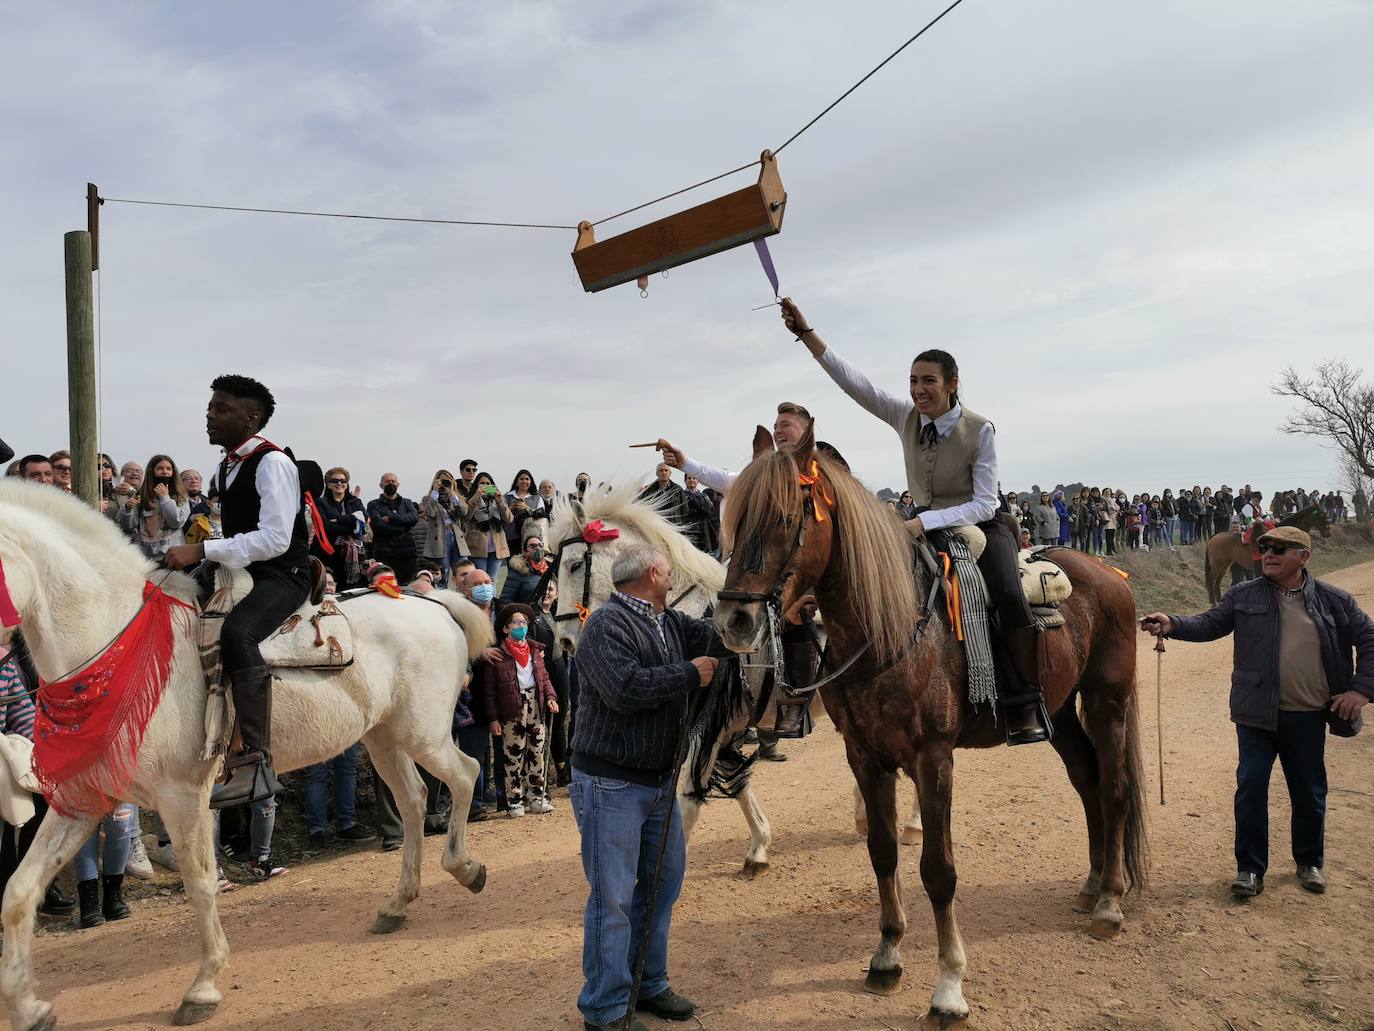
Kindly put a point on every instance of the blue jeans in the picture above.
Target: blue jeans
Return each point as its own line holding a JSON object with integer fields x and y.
{"x": 345, "y": 770}
{"x": 454, "y": 555}
{"x": 474, "y": 740}
{"x": 621, "y": 826}
{"x": 117, "y": 841}
{"x": 1299, "y": 744}
{"x": 262, "y": 821}
{"x": 489, "y": 564}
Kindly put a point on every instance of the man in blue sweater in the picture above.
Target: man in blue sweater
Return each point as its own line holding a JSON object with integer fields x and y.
{"x": 638, "y": 665}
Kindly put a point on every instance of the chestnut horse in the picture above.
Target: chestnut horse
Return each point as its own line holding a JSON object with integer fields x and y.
{"x": 896, "y": 689}
{"x": 1228, "y": 548}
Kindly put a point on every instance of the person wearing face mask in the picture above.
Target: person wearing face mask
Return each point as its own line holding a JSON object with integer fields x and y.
{"x": 488, "y": 516}
{"x": 392, "y": 517}
{"x": 155, "y": 515}
{"x": 584, "y": 484}
{"x": 525, "y": 570}
{"x": 950, "y": 454}
{"x": 517, "y": 695}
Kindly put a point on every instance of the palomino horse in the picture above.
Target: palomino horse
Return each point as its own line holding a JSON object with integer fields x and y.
{"x": 76, "y": 581}
{"x": 1228, "y": 548}
{"x": 584, "y": 581}
{"x": 901, "y": 705}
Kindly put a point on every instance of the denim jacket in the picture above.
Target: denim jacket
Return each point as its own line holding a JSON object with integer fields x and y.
{"x": 1250, "y": 611}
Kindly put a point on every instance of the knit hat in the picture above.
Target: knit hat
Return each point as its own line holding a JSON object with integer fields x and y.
{"x": 1288, "y": 535}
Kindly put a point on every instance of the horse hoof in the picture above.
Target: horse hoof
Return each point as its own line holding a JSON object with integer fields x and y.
{"x": 1105, "y": 929}
{"x": 1084, "y": 903}
{"x": 936, "y": 1020}
{"x": 386, "y": 924}
{"x": 752, "y": 868}
{"x": 912, "y": 835}
{"x": 883, "y": 982}
{"x": 44, "y": 1023}
{"x": 194, "y": 1013}
{"x": 479, "y": 882}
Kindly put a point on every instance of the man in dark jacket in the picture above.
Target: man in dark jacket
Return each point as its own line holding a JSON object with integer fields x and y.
{"x": 392, "y": 518}
{"x": 637, "y": 666}
{"x": 1293, "y": 674}
{"x": 667, "y": 495}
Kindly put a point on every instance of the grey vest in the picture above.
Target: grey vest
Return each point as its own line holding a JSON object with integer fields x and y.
{"x": 941, "y": 476}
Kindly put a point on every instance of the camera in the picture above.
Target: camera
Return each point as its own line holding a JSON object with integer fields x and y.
{"x": 446, "y": 482}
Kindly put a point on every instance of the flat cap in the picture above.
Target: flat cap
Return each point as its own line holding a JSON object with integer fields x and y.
{"x": 1288, "y": 535}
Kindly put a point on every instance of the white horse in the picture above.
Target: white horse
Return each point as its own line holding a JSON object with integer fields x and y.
{"x": 76, "y": 581}
{"x": 696, "y": 579}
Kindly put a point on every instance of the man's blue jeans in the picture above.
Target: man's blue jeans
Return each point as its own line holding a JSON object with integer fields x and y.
{"x": 345, "y": 770}
{"x": 474, "y": 740}
{"x": 1299, "y": 744}
{"x": 621, "y": 826}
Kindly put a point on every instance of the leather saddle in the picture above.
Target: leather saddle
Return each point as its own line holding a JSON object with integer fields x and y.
{"x": 316, "y": 636}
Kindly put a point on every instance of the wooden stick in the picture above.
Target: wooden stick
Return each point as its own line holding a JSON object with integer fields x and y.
{"x": 650, "y": 444}
{"x": 1159, "y": 710}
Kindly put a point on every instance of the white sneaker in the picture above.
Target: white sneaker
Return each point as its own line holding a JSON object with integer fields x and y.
{"x": 540, "y": 806}
{"x": 138, "y": 865}
{"x": 515, "y": 812}
{"x": 164, "y": 856}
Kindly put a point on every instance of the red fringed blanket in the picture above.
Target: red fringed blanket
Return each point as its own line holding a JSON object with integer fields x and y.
{"x": 90, "y": 725}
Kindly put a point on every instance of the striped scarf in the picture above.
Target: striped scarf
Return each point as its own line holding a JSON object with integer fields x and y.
{"x": 982, "y": 674}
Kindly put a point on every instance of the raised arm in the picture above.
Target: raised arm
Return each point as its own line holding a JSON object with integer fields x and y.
{"x": 891, "y": 409}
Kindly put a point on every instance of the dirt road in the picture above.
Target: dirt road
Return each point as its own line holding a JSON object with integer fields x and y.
{"x": 789, "y": 950}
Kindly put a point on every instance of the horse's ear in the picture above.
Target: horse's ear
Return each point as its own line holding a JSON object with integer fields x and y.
{"x": 763, "y": 441}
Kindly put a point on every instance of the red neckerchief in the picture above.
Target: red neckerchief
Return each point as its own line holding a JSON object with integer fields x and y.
{"x": 517, "y": 650}
{"x": 542, "y": 566}
{"x": 238, "y": 456}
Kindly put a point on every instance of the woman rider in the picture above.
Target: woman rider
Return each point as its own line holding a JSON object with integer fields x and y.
{"x": 951, "y": 471}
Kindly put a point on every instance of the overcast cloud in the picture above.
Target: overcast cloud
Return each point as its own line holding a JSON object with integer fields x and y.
{"x": 1122, "y": 218}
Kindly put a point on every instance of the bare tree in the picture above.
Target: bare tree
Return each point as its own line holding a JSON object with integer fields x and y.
{"x": 1353, "y": 476}
{"x": 1334, "y": 404}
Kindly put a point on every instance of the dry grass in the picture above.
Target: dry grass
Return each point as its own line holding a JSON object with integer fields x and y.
{"x": 1171, "y": 581}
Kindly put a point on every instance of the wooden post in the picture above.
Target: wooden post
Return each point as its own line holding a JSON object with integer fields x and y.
{"x": 81, "y": 399}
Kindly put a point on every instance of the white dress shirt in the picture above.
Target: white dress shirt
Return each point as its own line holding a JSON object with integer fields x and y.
{"x": 895, "y": 411}
{"x": 710, "y": 475}
{"x": 279, "y": 488}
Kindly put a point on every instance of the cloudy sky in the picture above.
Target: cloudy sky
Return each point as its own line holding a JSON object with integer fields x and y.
{"x": 1122, "y": 218}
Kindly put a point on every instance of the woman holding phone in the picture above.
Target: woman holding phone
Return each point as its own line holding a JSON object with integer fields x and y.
{"x": 444, "y": 512}
{"x": 488, "y": 517}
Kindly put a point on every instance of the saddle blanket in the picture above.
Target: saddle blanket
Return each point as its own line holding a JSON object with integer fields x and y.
{"x": 313, "y": 637}
{"x": 1044, "y": 583}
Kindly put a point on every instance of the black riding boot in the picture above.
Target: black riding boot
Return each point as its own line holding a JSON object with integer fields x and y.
{"x": 250, "y": 772}
{"x": 113, "y": 905}
{"x": 88, "y": 895}
{"x": 799, "y": 664}
{"x": 1027, "y": 721}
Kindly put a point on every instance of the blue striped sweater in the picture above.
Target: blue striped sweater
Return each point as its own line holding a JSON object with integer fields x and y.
{"x": 632, "y": 691}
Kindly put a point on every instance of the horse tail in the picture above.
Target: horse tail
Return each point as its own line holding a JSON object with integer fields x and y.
{"x": 472, "y": 620}
{"x": 1207, "y": 573}
{"x": 1135, "y": 843}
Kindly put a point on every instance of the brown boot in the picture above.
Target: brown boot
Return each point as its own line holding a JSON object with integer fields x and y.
{"x": 1027, "y": 721}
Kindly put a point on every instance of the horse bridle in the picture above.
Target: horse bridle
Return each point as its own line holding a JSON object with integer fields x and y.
{"x": 773, "y": 596}
{"x": 583, "y": 609}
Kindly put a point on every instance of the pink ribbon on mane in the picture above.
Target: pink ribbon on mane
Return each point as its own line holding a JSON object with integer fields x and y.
{"x": 9, "y": 615}
{"x": 595, "y": 532}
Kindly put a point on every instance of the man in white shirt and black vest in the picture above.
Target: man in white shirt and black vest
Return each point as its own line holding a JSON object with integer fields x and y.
{"x": 264, "y": 532}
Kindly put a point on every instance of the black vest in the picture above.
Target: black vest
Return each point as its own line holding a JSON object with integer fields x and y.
{"x": 240, "y": 509}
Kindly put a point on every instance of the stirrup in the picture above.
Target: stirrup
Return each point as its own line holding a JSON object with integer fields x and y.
{"x": 786, "y": 724}
{"x": 250, "y": 780}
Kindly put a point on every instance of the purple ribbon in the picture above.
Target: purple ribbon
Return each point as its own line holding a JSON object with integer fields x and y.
{"x": 766, "y": 260}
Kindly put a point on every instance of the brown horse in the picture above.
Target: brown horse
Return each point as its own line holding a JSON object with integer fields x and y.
{"x": 899, "y": 699}
{"x": 1228, "y": 548}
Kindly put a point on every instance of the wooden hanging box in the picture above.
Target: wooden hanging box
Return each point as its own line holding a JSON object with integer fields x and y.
{"x": 718, "y": 225}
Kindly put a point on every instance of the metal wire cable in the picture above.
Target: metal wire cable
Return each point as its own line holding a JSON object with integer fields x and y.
{"x": 335, "y": 214}
{"x": 870, "y": 75}
{"x": 666, "y": 196}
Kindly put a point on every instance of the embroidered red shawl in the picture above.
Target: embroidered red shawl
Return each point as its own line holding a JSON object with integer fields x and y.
{"x": 90, "y": 724}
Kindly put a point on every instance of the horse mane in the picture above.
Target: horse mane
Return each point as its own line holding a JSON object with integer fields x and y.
{"x": 87, "y": 529}
{"x": 876, "y": 552}
{"x": 622, "y": 507}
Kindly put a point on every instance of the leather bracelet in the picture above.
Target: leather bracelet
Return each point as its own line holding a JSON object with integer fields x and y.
{"x": 802, "y": 332}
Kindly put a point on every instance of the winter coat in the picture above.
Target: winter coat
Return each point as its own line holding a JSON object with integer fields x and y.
{"x": 345, "y": 519}
{"x": 441, "y": 514}
{"x": 534, "y": 509}
{"x": 488, "y": 515}
{"x": 173, "y": 515}
{"x": 1063, "y": 511}
{"x": 1046, "y": 522}
{"x": 392, "y": 520}
{"x": 500, "y": 685}
{"x": 1110, "y": 511}
{"x": 521, "y": 581}
{"x": 1250, "y": 611}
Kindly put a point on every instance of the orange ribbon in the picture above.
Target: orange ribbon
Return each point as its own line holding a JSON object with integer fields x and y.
{"x": 812, "y": 478}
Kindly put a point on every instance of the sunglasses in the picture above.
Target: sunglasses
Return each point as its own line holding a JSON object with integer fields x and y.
{"x": 1277, "y": 549}
{"x": 63, "y": 468}
{"x": 337, "y": 479}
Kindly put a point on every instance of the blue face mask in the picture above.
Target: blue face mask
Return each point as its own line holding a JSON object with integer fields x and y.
{"x": 483, "y": 593}
{"x": 517, "y": 633}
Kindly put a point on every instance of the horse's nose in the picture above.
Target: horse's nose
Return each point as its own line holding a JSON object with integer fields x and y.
{"x": 740, "y": 623}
